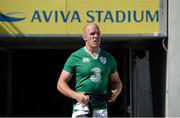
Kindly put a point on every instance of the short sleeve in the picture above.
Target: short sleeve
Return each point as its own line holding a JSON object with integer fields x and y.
{"x": 70, "y": 65}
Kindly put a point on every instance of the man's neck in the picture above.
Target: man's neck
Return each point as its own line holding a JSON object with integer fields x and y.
{"x": 93, "y": 51}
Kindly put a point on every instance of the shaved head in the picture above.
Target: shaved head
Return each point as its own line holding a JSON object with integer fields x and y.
{"x": 87, "y": 27}
{"x": 91, "y": 36}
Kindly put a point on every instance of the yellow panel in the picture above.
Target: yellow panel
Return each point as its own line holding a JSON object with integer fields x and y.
{"x": 69, "y": 16}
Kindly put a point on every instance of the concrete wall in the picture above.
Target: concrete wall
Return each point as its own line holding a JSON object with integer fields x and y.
{"x": 173, "y": 60}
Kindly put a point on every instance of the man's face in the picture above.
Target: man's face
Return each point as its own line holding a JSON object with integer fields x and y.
{"x": 92, "y": 36}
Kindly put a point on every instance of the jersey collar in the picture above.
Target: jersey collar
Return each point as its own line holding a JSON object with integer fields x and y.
{"x": 91, "y": 54}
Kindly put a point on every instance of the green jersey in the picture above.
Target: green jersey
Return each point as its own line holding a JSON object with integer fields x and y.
{"x": 92, "y": 74}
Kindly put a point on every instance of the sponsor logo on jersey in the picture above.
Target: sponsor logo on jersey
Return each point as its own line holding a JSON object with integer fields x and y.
{"x": 103, "y": 60}
{"x": 96, "y": 76}
{"x": 86, "y": 59}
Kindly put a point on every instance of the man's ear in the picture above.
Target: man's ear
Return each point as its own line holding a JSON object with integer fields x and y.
{"x": 84, "y": 37}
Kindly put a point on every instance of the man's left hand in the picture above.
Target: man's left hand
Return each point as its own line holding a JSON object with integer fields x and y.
{"x": 114, "y": 95}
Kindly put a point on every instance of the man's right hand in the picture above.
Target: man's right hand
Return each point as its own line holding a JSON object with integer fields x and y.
{"x": 82, "y": 98}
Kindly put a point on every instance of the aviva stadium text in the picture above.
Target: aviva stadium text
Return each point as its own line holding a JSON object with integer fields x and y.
{"x": 101, "y": 16}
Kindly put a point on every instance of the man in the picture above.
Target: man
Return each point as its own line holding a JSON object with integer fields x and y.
{"x": 94, "y": 69}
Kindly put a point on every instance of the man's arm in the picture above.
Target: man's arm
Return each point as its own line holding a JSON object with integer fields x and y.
{"x": 116, "y": 86}
{"x": 63, "y": 87}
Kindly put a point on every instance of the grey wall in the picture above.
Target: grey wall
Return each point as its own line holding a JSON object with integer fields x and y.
{"x": 173, "y": 60}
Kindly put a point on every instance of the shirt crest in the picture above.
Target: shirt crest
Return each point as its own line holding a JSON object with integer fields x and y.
{"x": 103, "y": 60}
